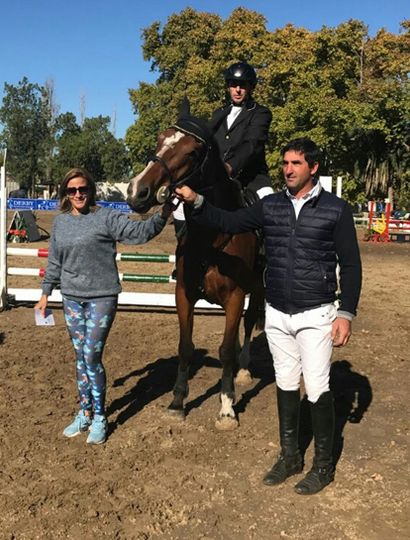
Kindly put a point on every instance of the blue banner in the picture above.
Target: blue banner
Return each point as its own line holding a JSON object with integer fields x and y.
{"x": 53, "y": 204}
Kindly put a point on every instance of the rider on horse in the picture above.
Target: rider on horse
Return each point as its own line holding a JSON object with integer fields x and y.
{"x": 241, "y": 131}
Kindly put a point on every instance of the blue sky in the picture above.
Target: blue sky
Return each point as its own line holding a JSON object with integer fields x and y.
{"x": 92, "y": 48}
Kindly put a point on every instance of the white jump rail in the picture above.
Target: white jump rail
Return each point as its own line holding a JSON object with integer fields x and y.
{"x": 124, "y": 299}
{"x": 157, "y": 300}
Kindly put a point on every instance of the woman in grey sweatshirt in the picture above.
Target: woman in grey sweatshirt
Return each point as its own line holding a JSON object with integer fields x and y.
{"x": 82, "y": 262}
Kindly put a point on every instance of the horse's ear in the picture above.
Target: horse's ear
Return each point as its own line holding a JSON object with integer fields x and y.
{"x": 185, "y": 108}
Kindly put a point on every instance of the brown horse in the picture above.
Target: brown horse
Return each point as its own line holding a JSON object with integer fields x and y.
{"x": 211, "y": 265}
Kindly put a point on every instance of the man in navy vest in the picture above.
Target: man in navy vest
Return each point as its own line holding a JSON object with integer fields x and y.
{"x": 307, "y": 233}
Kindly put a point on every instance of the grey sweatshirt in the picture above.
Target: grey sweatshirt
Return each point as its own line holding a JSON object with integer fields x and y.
{"x": 82, "y": 251}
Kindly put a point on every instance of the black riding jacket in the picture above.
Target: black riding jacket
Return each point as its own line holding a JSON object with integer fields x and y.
{"x": 302, "y": 253}
{"x": 243, "y": 144}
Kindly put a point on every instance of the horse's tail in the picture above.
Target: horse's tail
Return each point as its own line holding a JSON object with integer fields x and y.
{"x": 260, "y": 321}
{"x": 260, "y": 266}
{"x": 260, "y": 310}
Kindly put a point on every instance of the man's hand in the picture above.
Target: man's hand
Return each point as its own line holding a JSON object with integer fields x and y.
{"x": 186, "y": 194}
{"x": 341, "y": 332}
{"x": 228, "y": 169}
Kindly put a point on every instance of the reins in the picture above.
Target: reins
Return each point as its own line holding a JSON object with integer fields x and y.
{"x": 166, "y": 193}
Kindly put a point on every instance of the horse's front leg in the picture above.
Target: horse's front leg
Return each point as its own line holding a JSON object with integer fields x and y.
{"x": 244, "y": 377}
{"x": 254, "y": 317}
{"x": 185, "y": 310}
{"x": 227, "y": 353}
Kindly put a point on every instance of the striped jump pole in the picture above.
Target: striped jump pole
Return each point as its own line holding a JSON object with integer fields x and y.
{"x": 126, "y": 257}
{"x": 124, "y": 299}
{"x": 39, "y": 272}
{"x": 22, "y": 252}
{"x": 136, "y": 278}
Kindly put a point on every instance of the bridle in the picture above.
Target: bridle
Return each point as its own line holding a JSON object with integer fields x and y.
{"x": 165, "y": 193}
{"x": 175, "y": 182}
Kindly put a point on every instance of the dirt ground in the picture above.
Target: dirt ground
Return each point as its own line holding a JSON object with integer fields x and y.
{"x": 160, "y": 478}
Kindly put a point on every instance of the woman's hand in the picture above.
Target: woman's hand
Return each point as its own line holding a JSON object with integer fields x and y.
{"x": 167, "y": 209}
{"x": 42, "y": 304}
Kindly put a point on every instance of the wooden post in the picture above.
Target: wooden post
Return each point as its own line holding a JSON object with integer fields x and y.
{"x": 3, "y": 236}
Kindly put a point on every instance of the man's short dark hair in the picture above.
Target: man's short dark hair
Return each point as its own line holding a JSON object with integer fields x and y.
{"x": 306, "y": 147}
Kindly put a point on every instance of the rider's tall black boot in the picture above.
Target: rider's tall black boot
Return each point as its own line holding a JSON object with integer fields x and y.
{"x": 289, "y": 461}
{"x": 323, "y": 424}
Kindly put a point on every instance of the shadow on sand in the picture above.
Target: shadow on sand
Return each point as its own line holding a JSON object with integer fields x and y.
{"x": 158, "y": 378}
{"x": 352, "y": 394}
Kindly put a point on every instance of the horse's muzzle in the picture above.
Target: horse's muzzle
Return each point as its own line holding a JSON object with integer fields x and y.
{"x": 140, "y": 200}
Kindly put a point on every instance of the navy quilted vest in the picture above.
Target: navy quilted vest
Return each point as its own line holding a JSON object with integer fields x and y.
{"x": 301, "y": 256}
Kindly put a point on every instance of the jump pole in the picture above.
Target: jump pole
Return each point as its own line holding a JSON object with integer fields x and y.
{"x": 124, "y": 299}
{"x": 125, "y": 257}
{"x": 136, "y": 278}
{"x": 3, "y": 236}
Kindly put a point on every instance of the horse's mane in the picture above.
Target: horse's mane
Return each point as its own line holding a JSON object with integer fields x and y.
{"x": 215, "y": 183}
{"x": 197, "y": 127}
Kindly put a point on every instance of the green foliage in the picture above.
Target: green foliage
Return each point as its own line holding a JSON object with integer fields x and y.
{"x": 93, "y": 147}
{"x": 346, "y": 90}
{"x": 41, "y": 145}
{"x": 24, "y": 116}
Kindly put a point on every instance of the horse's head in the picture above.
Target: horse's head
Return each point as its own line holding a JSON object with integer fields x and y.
{"x": 179, "y": 158}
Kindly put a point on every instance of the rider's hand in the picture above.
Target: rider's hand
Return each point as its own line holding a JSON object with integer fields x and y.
{"x": 42, "y": 304}
{"x": 186, "y": 194}
{"x": 228, "y": 169}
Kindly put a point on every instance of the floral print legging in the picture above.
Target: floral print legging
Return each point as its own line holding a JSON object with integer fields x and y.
{"x": 88, "y": 324}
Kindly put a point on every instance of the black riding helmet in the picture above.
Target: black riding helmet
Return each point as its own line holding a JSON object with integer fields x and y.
{"x": 241, "y": 71}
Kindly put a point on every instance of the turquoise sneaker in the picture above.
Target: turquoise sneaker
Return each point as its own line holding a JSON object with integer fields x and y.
{"x": 81, "y": 423}
{"x": 98, "y": 430}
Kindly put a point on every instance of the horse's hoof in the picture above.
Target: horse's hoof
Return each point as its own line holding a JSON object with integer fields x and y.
{"x": 226, "y": 423}
{"x": 178, "y": 414}
{"x": 243, "y": 378}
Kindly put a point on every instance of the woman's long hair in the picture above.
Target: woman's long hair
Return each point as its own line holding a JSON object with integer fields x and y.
{"x": 77, "y": 172}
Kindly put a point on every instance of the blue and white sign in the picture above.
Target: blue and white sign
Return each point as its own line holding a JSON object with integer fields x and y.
{"x": 120, "y": 206}
{"x": 53, "y": 204}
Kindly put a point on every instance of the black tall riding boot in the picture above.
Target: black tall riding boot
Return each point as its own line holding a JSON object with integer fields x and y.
{"x": 323, "y": 424}
{"x": 289, "y": 461}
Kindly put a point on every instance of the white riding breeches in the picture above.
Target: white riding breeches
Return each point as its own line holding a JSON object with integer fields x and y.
{"x": 301, "y": 344}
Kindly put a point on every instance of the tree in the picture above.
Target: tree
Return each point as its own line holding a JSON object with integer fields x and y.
{"x": 189, "y": 54}
{"x": 382, "y": 155}
{"x": 91, "y": 146}
{"x": 53, "y": 108}
{"x": 25, "y": 119}
{"x": 346, "y": 90}
{"x": 67, "y": 134}
{"x": 43, "y": 145}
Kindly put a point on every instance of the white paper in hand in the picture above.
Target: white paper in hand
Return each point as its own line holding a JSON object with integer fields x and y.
{"x": 48, "y": 320}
